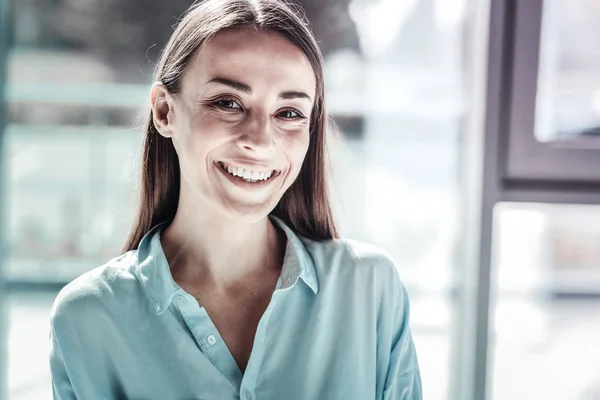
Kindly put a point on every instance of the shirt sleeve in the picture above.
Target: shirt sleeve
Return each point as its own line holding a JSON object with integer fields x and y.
{"x": 403, "y": 380}
{"x": 62, "y": 388}
{"x": 78, "y": 368}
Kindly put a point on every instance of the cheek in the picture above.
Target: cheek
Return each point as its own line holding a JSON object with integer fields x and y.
{"x": 204, "y": 134}
{"x": 296, "y": 149}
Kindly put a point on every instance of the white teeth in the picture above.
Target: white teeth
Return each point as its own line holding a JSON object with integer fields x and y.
{"x": 248, "y": 175}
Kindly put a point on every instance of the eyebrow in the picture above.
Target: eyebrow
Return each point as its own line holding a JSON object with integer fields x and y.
{"x": 242, "y": 87}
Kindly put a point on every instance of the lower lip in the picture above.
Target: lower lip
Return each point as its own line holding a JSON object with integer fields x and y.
{"x": 245, "y": 184}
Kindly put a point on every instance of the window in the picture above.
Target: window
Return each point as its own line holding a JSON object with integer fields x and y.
{"x": 546, "y": 312}
{"x": 568, "y": 99}
{"x": 551, "y": 107}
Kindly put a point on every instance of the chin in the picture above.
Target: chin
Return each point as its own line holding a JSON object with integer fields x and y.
{"x": 248, "y": 214}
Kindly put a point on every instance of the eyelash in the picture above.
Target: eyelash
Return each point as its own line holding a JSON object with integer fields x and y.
{"x": 219, "y": 103}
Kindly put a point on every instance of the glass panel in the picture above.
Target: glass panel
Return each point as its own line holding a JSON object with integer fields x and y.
{"x": 396, "y": 89}
{"x": 66, "y": 217}
{"x": 546, "y": 316}
{"x": 28, "y": 344}
{"x": 568, "y": 99}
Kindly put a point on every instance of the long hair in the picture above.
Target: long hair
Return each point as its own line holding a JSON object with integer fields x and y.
{"x": 304, "y": 207}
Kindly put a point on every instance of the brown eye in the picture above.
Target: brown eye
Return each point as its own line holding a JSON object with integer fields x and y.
{"x": 290, "y": 114}
{"x": 228, "y": 104}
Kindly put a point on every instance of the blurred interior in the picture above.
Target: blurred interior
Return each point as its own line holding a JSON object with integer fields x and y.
{"x": 404, "y": 88}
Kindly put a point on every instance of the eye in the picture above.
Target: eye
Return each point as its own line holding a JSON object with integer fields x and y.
{"x": 228, "y": 104}
{"x": 290, "y": 114}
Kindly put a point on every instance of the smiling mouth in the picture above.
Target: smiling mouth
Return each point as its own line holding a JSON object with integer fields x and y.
{"x": 246, "y": 175}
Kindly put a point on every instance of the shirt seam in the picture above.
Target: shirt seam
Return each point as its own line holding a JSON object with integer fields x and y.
{"x": 351, "y": 251}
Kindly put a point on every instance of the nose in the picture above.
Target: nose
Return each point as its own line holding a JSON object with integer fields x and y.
{"x": 257, "y": 135}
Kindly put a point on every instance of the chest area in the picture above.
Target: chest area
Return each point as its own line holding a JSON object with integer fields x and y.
{"x": 236, "y": 319}
{"x": 297, "y": 338}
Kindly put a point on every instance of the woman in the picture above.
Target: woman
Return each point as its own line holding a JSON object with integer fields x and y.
{"x": 233, "y": 283}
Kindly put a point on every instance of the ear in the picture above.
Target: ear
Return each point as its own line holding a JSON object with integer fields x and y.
{"x": 162, "y": 110}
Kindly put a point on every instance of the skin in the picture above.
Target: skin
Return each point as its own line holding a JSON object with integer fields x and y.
{"x": 221, "y": 245}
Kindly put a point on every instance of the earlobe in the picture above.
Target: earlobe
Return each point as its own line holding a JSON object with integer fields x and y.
{"x": 162, "y": 110}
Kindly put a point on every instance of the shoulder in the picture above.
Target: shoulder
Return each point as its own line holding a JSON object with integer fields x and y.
{"x": 367, "y": 254}
{"x": 95, "y": 289}
{"x": 361, "y": 274}
{"x": 353, "y": 259}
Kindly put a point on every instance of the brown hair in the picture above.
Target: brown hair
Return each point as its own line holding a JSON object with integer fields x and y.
{"x": 305, "y": 206}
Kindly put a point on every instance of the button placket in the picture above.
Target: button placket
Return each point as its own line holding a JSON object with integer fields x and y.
{"x": 210, "y": 342}
{"x": 258, "y": 353}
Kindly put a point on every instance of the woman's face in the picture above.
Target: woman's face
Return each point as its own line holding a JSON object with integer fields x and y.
{"x": 240, "y": 124}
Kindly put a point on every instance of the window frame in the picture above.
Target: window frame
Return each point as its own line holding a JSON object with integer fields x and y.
{"x": 5, "y": 29}
{"x": 553, "y": 163}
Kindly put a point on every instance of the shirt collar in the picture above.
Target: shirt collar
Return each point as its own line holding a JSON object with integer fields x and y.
{"x": 297, "y": 262}
{"x": 156, "y": 277}
{"x": 154, "y": 270}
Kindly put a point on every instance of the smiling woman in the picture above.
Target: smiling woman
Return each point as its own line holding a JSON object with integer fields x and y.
{"x": 245, "y": 101}
{"x": 233, "y": 281}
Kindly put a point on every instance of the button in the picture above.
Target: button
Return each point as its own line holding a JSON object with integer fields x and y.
{"x": 247, "y": 395}
{"x": 290, "y": 279}
{"x": 211, "y": 339}
{"x": 181, "y": 300}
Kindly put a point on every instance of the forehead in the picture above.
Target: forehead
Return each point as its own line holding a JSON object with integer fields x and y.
{"x": 255, "y": 57}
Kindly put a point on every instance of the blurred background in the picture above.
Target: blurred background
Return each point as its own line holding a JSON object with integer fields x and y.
{"x": 501, "y": 260}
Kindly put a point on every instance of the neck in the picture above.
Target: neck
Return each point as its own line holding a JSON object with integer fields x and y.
{"x": 206, "y": 249}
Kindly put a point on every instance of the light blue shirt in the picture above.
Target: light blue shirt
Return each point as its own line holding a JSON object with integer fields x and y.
{"x": 336, "y": 327}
